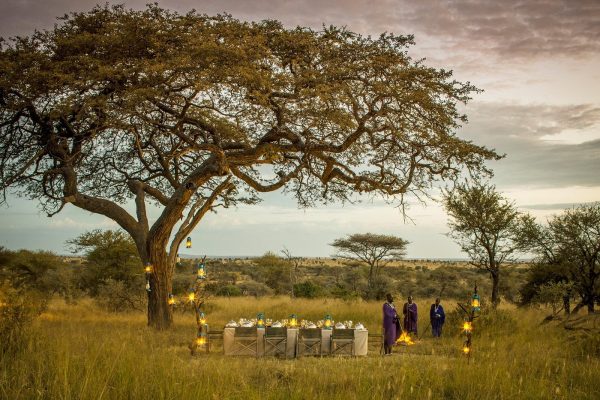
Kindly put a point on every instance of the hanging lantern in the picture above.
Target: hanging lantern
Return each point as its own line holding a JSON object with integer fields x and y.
{"x": 201, "y": 338}
{"x": 475, "y": 300}
{"x": 202, "y": 318}
{"x": 188, "y": 243}
{"x": 466, "y": 350}
{"x": 192, "y": 296}
{"x": 328, "y": 322}
{"x": 260, "y": 320}
{"x": 467, "y": 326}
{"x": 201, "y": 272}
{"x": 293, "y": 321}
{"x": 148, "y": 268}
{"x": 178, "y": 259}
{"x": 171, "y": 299}
{"x": 147, "y": 286}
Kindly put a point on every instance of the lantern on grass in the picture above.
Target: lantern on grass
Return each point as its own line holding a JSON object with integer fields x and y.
{"x": 260, "y": 320}
{"x": 328, "y": 324}
{"x": 201, "y": 272}
{"x": 202, "y": 318}
{"x": 188, "y": 243}
{"x": 293, "y": 321}
{"x": 171, "y": 300}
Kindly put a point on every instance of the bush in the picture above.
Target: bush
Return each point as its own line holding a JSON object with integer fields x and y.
{"x": 229, "y": 290}
{"x": 116, "y": 296}
{"x": 256, "y": 289}
{"x": 18, "y": 308}
{"x": 308, "y": 290}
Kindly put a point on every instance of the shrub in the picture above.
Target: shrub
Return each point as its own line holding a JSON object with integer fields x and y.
{"x": 18, "y": 308}
{"x": 229, "y": 290}
{"x": 308, "y": 290}
{"x": 116, "y": 296}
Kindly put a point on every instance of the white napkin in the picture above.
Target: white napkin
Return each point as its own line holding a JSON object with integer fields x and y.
{"x": 231, "y": 324}
{"x": 311, "y": 326}
{"x": 277, "y": 324}
{"x": 247, "y": 325}
{"x": 339, "y": 325}
{"x": 359, "y": 326}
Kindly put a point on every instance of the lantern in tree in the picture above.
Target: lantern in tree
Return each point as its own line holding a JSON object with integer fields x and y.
{"x": 201, "y": 272}
{"x": 467, "y": 326}
{"x": 148, "y": 268}
{"x": 171, "y": 299}
{"x": 328, "y": 324}
{"x": 293, "y": 321}
{"x": 202, "y": 318}
{"x": 201, "y": 338}
{"x": 192, "y": 295}
{"x": 148, "y": 286}
{"x": 466, "y": 349}
{"x": 188, "y": 243}
{"x": 260, "y": 320}
{"x": 475, "y": 300}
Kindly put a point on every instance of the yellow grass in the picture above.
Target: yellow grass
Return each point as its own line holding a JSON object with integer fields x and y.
{"x": 80, "y": 352}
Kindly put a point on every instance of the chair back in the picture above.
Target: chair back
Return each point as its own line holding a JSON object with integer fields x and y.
{"x": 275, "y": 332}
{"x": 241, "y": 331}
{"x": 310, "y": 333}
{"x": 342, "y": 334}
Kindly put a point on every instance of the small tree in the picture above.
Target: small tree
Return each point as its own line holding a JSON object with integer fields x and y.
{"x": 375, "y": 250}
{"x": 571, "y": 242}
{"x": 486, "y": 226}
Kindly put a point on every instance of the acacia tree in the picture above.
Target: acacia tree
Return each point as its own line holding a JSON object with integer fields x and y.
{"x": 375, "y": 250}
{"x": 192, "y": 112}
{"x": 486, "y": 226}
{"x": 570, "y": 245}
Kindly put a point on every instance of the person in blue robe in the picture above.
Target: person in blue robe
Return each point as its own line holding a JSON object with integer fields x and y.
{"x": 437, "y": 318}
{"x": 391, "y": 324}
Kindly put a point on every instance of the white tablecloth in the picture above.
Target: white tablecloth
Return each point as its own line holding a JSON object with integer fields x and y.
{"x": 361, "y": 341}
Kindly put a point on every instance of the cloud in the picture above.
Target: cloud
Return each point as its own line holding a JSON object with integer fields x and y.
{"x": 554, "y": 206}
{"x": 67, "y": 222}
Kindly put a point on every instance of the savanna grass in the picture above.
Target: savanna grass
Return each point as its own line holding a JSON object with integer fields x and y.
{"x": 81, "y": 352}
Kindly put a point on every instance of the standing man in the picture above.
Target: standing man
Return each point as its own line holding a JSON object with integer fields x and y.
{"x": 391, "y": 325}
{"x": 437, "y": 318}
{"x": 410, "y": 316}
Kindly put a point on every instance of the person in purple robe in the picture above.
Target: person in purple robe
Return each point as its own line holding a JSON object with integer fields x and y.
{"x": 410, "y": 316}
{"x": 437, "y": 318}
{"x": 391, "y": 324}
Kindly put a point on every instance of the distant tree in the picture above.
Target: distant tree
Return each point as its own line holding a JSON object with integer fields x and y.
{"x": 375, "y": 250}
{"x": 570, "y": 245}
{"x": 191, "y": 112}
{"x": 42, "y": 271}
{"x": 275, "y": 270}
{"x": 486, "y": 226}
{"x": 294, "y": 267}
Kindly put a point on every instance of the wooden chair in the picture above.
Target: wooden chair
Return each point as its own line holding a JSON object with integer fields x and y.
{"x": 275, "y": 340}
{"x": 245, "y": 341}
{"x": 376, "y": 341}
{"x": 212, "y": 338}
{"x": 342, "y": 342}
{"x": 309, "y": 342}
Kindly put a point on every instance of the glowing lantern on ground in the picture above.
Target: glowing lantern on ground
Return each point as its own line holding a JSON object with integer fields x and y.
{"x": 293, "y": 321}
{"x": 202, "y": 318}
{"x": 188, "y": 243}
{"x": 260, "y": 320}
{"x": 467, "y": 326}
{"x": 201, "y": 273}
{"x": 328, "y": 324}
{"x": 171, "y": 299}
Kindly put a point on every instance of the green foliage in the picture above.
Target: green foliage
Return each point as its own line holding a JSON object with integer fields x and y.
{"x": 552, "y": 294}
{"x": 229, "y": 290}
{"x": 276, "y": 272}
{"x": 111, "y": 255}
{"x": 308, "y": 289}
{"x": 116, "y": 296}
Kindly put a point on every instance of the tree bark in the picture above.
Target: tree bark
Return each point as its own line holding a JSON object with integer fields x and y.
{"x": 160, "y": 315}
{"x": 495, "y": 289}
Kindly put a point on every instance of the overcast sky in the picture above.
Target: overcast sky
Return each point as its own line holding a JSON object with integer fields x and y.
{"x": 537, "y": 61}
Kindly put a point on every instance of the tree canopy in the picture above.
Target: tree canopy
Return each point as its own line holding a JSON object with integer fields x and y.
{"x": 192, "y": 112}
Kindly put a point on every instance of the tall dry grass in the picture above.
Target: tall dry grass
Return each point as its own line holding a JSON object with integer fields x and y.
{"x": 80, "y": 352}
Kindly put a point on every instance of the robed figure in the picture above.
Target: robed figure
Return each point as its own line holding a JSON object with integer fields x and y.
{"x": 410, "y": 316}
{"x": 437, "y": 318}
{"x": 391, "y": 324}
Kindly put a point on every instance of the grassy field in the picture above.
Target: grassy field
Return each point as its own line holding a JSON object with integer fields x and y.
{"x": 81, "y": 352}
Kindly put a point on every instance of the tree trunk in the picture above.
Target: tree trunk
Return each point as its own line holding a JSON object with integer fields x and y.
{"x": 495, "y": 292}
{"x": 160, "y": 315}
{"x": 590, "y": 304}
